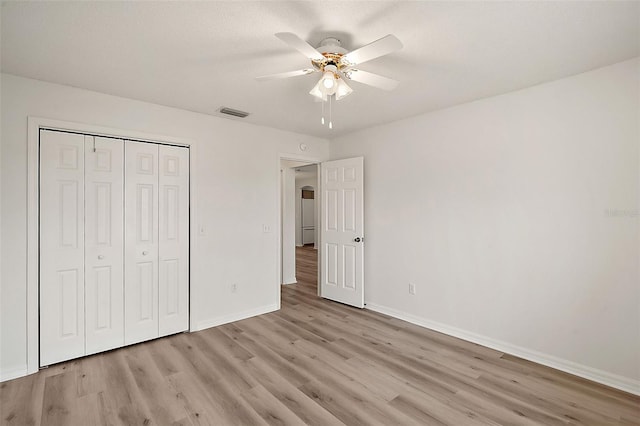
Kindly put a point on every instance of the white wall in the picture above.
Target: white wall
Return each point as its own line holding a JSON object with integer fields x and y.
{"x": 300, "y": 183}
{"x": 288, "y": 226}
{"x": 236, "y": 168}
{"x": 517, "y": 219}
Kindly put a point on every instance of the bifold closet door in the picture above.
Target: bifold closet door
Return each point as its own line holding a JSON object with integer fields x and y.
{"x": 173, "y": 289}
{"x": 141, "y": 241}
{"x": 104, "y": 250}
{"x": 81, "y": 245}
{"x": 156, "y": 240}
{"x": 62, "y": 214}
{"x": 114, "y": 243}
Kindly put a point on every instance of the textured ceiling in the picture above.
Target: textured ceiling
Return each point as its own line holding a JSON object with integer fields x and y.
{"x": 200, "y": 56}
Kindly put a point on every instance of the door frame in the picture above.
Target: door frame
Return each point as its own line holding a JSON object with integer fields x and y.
{"x": 33, "y": 214}
{"x": 311, "y": 160}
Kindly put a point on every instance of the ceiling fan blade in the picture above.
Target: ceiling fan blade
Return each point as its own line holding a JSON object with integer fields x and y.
{"x": 285, "y": 74}
{"x": 301, "y": 46}
{"x": 371, "y": 79}
{"x": 381, "y": 47}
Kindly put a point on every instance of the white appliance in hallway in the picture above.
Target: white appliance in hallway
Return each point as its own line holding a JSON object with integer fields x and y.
{"x": 308, "y": 216}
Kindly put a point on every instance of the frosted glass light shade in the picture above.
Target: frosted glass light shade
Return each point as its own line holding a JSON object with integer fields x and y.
{"x": 319, "y": 91}
{"x": 342, "y": 89}
{"x": 328, "y": 80}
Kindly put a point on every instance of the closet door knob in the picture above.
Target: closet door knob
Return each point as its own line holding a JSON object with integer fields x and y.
{"x": 144, "y": 253}
{"x": 100, "y": 257}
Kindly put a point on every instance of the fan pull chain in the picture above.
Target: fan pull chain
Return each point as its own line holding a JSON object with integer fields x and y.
{"x": 322, "y": 121}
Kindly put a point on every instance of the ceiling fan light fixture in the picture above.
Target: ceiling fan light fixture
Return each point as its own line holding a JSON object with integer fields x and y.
{"x": 328, "y": 79}
{"x": 335, "y": 63}
{"x": 342, "y": 89}
{"x": 319, "y": 91}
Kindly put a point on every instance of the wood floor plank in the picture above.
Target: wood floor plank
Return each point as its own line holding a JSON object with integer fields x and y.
{"x": 229, "y": 365}
{"x": 374, "y": 384}
{"x": 160, "y": 351}
{"x": 430, "y": 411}
{"x": 502, "y": 413}
{"x": 60, "y": 402}
{"x": 355, "y": 408}
{"x": 159, "y": 397}
{"x": 313, "y": 362}
{"x": 216, "y": 338}
{"x": 269, "y": 408}
{"x": 122, "y": 399}
{"x": 282, "y": 388}
{"x": 550, "y": 399}
{"x": 88, "y": 375}
{"x": 21, "y": 401}
{"x": 89, "y": 413}
{"x": 202, "y": 409}
{"x": 282, "y": 365}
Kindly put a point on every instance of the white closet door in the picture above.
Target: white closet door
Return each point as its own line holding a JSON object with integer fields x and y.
{"x": 141, "y": 241}
{"x": 174, "y": 240}
{"x": 104, "y": 297}
{"x": 61, "y": 246}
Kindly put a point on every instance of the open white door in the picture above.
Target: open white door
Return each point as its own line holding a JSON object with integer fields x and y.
{"x": 342, "y": 232}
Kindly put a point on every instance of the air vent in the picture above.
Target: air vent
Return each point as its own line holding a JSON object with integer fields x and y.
{"x": 234, "y": 112}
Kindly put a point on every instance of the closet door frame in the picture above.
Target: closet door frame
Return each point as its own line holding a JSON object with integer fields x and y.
{"x": 35, "y": 124}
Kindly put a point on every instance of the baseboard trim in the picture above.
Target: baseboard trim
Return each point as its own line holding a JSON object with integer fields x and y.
{"x": 289, "y": 280}
{"x": 14, "y": 373}
{"x": 226, "y": 319}
{"x": 599, "y": 376}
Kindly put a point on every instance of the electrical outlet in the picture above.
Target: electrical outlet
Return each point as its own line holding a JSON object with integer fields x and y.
{"x": 412, "y": 289}
{"x": 266, "y": 228}
{"x": 234, "y": 288}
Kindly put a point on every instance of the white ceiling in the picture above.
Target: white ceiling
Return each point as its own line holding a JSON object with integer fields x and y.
{"x": 200, "y": 56}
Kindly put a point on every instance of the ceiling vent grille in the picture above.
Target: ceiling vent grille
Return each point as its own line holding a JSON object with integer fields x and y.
{"x": 233, "y": 112}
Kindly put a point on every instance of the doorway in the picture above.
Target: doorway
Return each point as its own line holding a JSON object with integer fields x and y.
{"x": 340, "y": 212}
{"x": 299, "y": 216}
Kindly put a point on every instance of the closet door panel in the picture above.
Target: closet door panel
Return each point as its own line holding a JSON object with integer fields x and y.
{"x": 61, "y": 246}
{"x": 174, "y": 239}
{"x": 104, "y": 245}
{"x": 141, "y": 241}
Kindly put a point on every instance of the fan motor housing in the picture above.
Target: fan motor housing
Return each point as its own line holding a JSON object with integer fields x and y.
{"x": 332, "y": 50}
{"x": 331, "y": 45}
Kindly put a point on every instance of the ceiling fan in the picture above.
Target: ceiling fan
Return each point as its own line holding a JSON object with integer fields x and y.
{"x": 337, "y": 65}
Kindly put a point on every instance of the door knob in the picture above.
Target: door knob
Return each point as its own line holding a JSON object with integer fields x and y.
{"x": 144, "y": 253}
{"x": 357, "y": 239}
{"x": 100, "y": 257}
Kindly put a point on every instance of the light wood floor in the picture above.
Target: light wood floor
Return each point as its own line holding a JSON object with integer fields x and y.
{"x": 313, "y": 362}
